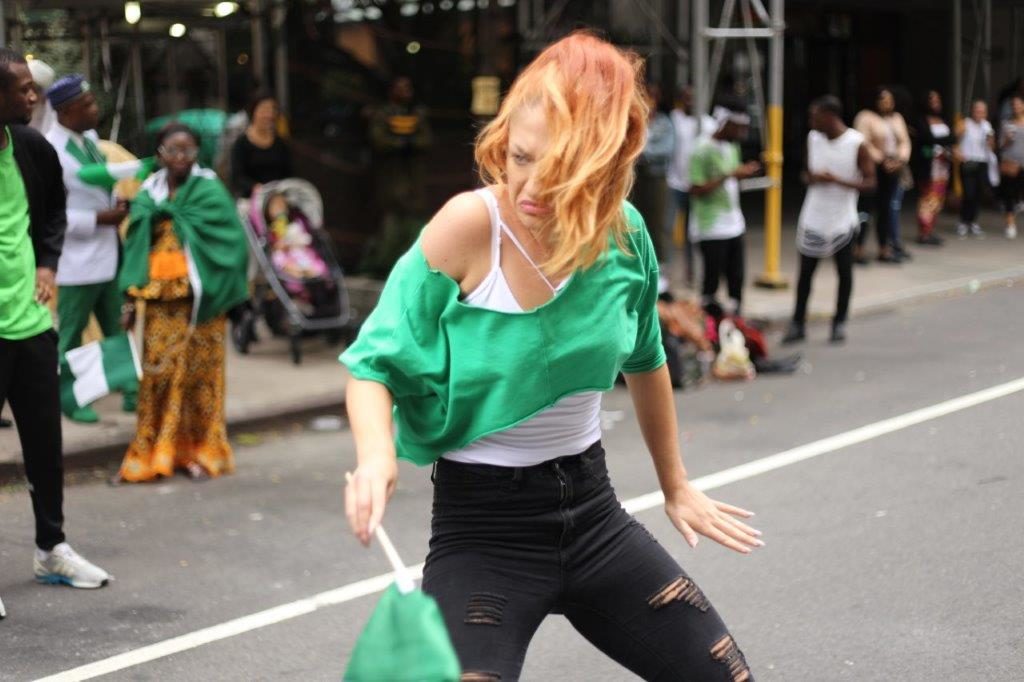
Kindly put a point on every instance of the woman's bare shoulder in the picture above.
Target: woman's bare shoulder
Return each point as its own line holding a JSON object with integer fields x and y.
{"x": 458, "y": 235}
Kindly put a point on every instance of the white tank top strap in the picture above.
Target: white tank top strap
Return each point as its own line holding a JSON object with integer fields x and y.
{"x": 526, "y": 255}
{"x": 492, "y": 209}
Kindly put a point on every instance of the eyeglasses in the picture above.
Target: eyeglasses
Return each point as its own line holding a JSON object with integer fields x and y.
{"x": 187, "y": 153}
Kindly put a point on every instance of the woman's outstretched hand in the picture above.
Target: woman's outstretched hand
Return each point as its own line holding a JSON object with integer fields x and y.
{"x": 366, "y": 495}
{"x": 693, "y": 512}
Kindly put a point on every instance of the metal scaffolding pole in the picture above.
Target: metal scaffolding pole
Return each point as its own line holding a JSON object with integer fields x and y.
{"x": 958, "y": 57}
{"x": 258, "y": 57}
{"x": 699, "y": 49}
{"x": 280, "y": 32}
{"x": 986, "y": 49}
{"x": 683, "y": 75}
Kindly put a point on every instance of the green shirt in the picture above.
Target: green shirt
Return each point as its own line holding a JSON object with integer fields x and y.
{"x": 20, "y": 315}
{"x": 717, "y": 214}
{"x": 459, "y": 373}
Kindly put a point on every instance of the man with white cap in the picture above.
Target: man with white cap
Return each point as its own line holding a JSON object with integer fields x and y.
{"x": 718, "y": 224}
{"x": 43, "y": 75}
{"x": 87, "y": 274}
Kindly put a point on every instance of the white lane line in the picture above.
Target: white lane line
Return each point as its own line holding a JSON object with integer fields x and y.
{"x": 378, "y": 583}
{"x": 833, "y": 443}
{"x": 231, "y": 628}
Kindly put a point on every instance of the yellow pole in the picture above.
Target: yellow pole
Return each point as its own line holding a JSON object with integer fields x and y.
{"x": 772, "y": 277}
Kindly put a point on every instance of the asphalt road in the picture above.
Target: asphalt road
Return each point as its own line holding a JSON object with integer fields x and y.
{"x": 895, "y": 558}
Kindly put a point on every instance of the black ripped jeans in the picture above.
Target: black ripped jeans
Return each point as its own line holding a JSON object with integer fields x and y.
{"x": 511, "y": 545}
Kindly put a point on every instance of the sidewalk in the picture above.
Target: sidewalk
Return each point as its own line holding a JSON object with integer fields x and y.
{"x": 265, "y": 385}
{"x": 961, "y": 265}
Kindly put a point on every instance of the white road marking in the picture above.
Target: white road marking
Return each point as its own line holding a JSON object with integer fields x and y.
{"x": 378, "y": 583}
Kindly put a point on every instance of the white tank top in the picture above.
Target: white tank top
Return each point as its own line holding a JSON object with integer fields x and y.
{"x": 566, "y": 428}
{"x": 828, "y": 217}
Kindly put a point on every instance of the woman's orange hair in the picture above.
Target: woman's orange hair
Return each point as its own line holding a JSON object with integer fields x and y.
{"x": 597, "y": 119}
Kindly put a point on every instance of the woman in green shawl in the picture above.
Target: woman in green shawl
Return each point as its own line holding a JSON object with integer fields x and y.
{"x": 185, "y": 255}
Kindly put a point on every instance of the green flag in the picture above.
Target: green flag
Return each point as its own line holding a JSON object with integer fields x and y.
{"x": 106, "y": 175}
{"x": 405, "y": 640}
{"x": 89, "y": 372}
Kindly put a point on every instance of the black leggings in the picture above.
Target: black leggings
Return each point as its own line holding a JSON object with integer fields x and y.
{"x": 1010, "y": 188}
{"x": 974, "y": 176}
{"x": 844, "y": 268}
{"x": 881, "y": 203}
{"x": 723, "y": 257}
{"x": 511, "y": 545}
{"x": 29, "y": 382}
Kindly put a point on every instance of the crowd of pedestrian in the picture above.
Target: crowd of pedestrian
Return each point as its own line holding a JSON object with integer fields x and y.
{"x": 855, "y": 175}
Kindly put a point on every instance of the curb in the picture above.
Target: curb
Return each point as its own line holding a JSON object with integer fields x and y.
{"x": 256, "y": 420}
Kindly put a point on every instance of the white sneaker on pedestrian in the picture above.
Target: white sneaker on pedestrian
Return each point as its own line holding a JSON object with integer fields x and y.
{"x": 961, "y": 230}
{"x": 1011, "y": 231}
{"x": 976, "y": 231}
{"x": 3, "y": 612}
{"x": 64, "y": 566}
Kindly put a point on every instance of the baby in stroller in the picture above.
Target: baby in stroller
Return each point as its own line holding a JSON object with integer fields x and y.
{"x": 291, "y": 244}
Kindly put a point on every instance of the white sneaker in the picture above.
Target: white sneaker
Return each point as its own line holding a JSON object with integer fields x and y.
{"x": 976, "y": 231}
{"x": 63, "y": 565}
{"x": 1011, "y": 231}
{"x": 961, "y": 230}
{"x": 3, "y": 612}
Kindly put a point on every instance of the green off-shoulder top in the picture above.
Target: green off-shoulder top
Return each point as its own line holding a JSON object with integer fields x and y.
{"x": 459, "y": 373}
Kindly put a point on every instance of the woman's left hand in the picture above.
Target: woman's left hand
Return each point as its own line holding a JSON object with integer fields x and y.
{"x": 693, "y": 512}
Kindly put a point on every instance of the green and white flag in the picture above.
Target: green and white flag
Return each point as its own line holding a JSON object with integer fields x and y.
{"x": 406, "y": 639}
{"x": 107, "y": 175}
{"x": 89, "y": 372}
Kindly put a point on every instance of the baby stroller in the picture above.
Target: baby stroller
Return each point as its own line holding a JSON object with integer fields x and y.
{"x": 298, "y": 287}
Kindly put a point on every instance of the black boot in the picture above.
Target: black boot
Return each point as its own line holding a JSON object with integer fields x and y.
{"x": 794, "y": 334}
{"x": 838, "y": 333}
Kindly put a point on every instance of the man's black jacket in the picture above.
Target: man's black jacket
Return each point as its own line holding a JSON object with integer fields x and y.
{"x": 47, "y": 199}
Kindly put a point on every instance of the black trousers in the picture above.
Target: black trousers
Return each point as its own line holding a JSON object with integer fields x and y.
{"x": 974, "y": 176}
{"x": 844, "y": 268}
{"x": 30, "y": 384}
{"x": 1011, "y": 190}
{"x": 511, "y": 545}
{"x": 723, "y": 257}
{"x": 881, "y": 203}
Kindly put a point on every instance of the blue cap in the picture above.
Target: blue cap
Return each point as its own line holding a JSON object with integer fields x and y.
{"x": 67, "y": 89}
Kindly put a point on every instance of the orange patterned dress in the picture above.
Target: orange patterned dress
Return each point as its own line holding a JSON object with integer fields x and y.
{"x": 181, "y": 397}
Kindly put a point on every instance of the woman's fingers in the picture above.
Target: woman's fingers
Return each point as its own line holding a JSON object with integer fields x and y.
{"x": 684, "y": 528}
{"x": 378, "y": 498}
{"x": 742, "y": 526}
{"x": 726, "y": 525}
{"x": 723, "y": 539}
{"x": 732, "y": 509}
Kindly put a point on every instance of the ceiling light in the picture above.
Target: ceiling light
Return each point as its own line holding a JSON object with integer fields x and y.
{"x": 413, "y": 47}
{"x": 177, "y": 30}
{"x": 225, "y": 9}
{"x": 373, "y": 13}
{"x": 132, "y": 12}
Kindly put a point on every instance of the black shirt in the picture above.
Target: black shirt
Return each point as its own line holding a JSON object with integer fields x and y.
{"x": 44, "y": 188}
{"x": 251, "y": 165}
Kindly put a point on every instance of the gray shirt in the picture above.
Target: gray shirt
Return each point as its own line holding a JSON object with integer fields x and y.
{"x": 1012, "y": 135}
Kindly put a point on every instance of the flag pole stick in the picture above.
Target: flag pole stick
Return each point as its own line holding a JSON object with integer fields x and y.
{"x": 403, "y": 580}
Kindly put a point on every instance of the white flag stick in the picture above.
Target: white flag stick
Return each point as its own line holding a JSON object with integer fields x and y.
{"x": 403, "y": 580}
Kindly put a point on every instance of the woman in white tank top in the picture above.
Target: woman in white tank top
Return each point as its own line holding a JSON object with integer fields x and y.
{"x": 839, "y": 167}
{"x": 493, "y": 334}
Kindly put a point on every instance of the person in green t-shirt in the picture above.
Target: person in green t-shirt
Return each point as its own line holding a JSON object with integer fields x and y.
{"x": 32, "y": 223}
{"x": 718, "y": 224}
{"x": 490, "y": 348}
